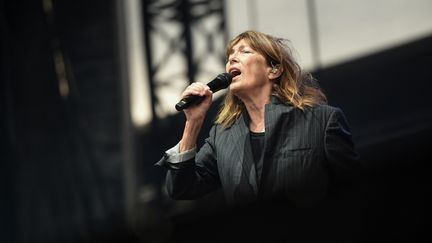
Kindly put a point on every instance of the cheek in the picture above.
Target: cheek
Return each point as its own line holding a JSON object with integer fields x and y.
{"x": 259, "y": 70}
{"x": 257, "y": 64}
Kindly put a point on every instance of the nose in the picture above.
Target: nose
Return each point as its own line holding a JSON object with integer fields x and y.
{"x": 232, "y": 59}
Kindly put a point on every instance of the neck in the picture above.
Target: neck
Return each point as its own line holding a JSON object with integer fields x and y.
{"x": 256, "y": 109}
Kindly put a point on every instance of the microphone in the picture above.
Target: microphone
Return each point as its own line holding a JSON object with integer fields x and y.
{"x": 221, "y": 81}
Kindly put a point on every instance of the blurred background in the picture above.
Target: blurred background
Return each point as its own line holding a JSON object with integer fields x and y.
{"x": 88, "y": 90}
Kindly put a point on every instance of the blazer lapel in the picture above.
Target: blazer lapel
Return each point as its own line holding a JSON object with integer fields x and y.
{"x": 244, "y": 168}
{"x": 273, "y": 112}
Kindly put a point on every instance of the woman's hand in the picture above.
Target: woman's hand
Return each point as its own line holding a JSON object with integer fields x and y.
{"x": 197, "y": 112}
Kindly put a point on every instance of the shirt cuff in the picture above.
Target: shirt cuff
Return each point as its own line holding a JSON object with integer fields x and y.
{"x": 174, "y": 155}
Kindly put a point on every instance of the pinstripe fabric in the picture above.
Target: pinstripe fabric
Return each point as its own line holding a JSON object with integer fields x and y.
{"x": 302, "y": 150}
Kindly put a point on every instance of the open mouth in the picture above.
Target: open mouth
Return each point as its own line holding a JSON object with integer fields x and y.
{"x": 234, "y": 72}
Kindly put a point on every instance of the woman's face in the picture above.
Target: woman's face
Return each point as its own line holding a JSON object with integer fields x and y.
{"x": 249, "y": 69}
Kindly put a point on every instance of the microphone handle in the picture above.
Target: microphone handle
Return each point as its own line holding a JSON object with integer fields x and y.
{"x": 188, "y": 101}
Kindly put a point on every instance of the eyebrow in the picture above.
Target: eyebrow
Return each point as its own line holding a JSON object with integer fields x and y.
{"x": 241, "y": 47}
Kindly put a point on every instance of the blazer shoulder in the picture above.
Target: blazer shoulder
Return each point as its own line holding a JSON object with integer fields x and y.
{"x": 216, "y": 129}
{"x": 325, "y": 109}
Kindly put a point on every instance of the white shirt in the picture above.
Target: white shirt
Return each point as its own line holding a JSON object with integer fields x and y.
{"x": 174, "y": 155}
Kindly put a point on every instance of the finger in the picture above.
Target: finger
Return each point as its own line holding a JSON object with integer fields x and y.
{"x": 195, "y": 89}
{"x": 190, "y": 91}
{"x": 208, "y": 92}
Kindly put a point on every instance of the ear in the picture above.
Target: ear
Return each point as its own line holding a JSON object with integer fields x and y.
{"x": 274, "y": 72}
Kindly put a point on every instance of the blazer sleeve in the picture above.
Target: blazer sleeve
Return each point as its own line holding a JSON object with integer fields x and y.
{"x": 196, "y": 177}
{"x": 344, "y": 163}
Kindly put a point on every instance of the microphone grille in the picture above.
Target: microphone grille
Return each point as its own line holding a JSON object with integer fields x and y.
{"x": 222, "y": 81}
{"x": 225, "y": 79}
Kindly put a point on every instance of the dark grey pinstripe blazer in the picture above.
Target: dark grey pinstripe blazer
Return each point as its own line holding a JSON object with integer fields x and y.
{"x": 303, "y": 151}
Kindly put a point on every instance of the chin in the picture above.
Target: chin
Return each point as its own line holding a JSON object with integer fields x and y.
{"x": 234, "y": 88}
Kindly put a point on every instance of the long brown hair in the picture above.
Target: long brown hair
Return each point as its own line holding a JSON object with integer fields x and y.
{"x": 293, "y": 86}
